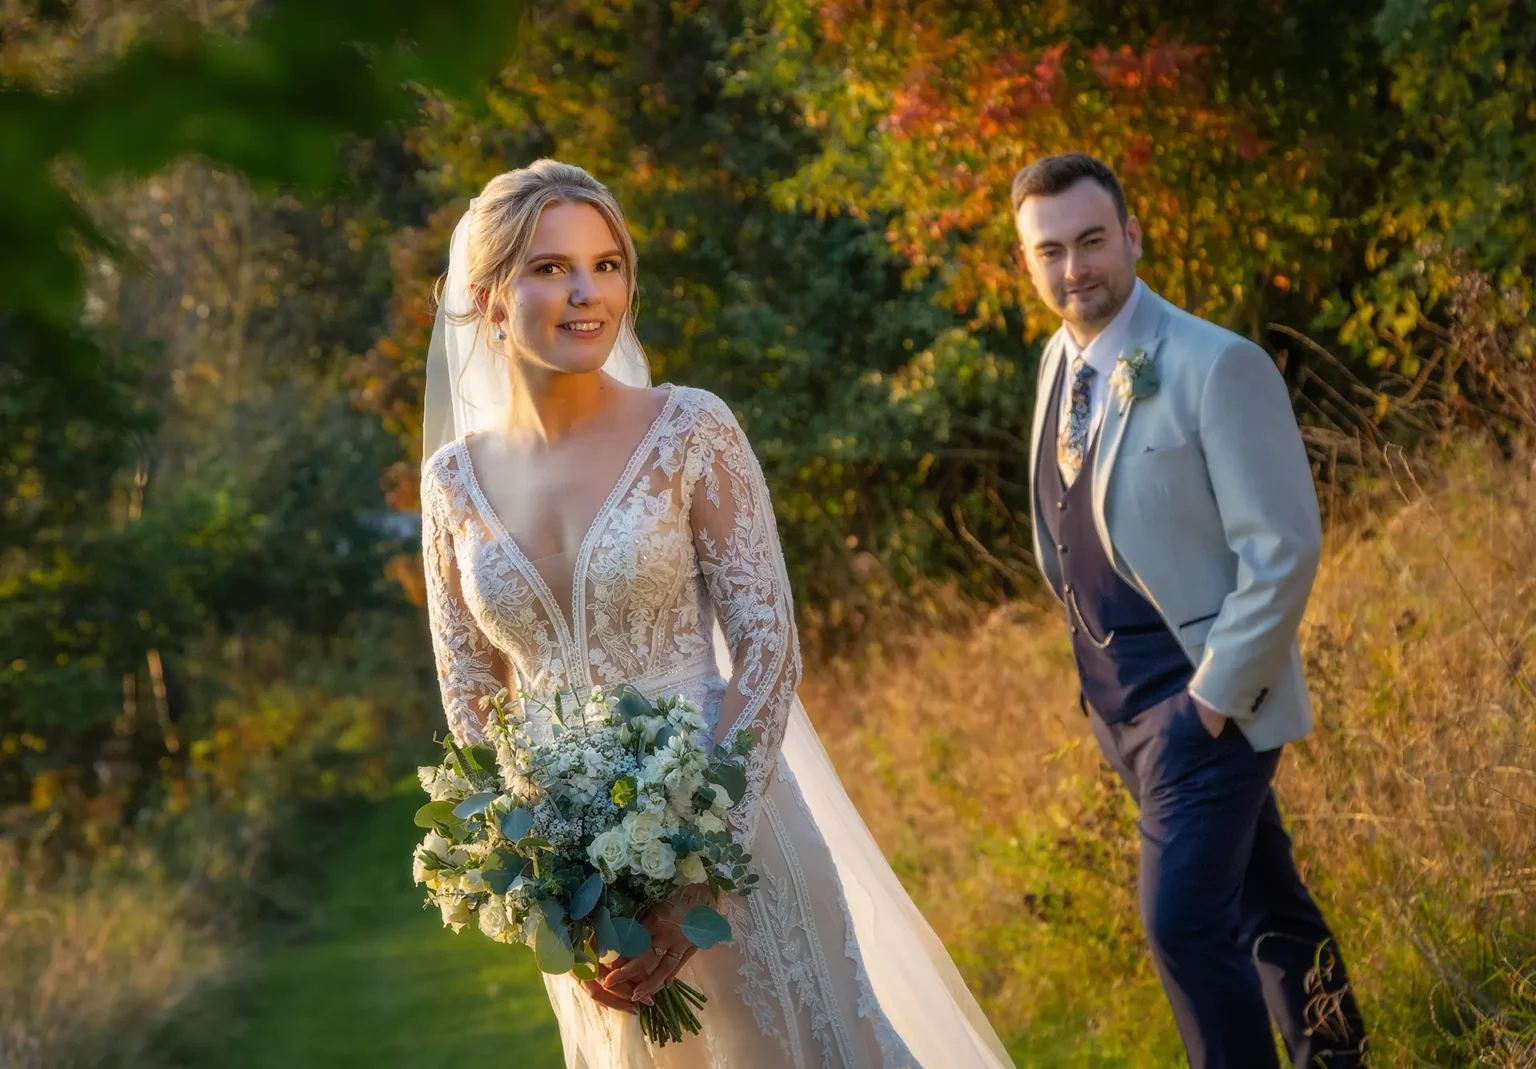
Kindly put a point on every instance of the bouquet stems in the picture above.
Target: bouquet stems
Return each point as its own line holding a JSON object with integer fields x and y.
{"x": 671, "y": 1015}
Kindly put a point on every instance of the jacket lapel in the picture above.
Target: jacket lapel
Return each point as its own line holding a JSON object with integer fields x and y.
{"x": 1050, "y": 363}
{"x": 1050, "y": 366}
{"x": 1146, "y": 332}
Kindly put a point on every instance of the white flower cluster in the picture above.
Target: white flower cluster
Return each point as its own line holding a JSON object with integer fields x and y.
{"x": 668, "y": 799}
{"x": 442, "y": 784}
{"x": 630, "y": 796}
{"x": 451, "y": 873}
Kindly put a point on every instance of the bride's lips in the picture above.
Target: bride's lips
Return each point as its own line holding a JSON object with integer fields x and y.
{"x": 583, "y": 328}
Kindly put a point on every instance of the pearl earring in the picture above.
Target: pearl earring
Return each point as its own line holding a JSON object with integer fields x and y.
{"x": 501, "y": 335}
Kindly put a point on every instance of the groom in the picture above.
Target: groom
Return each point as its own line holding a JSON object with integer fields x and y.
{"x": 1175, "y": 518}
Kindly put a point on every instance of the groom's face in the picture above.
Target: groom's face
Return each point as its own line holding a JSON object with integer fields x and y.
{"x": 1081, "y": 260}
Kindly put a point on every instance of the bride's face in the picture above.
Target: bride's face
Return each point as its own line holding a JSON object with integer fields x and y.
{"x": 569, "y": 295}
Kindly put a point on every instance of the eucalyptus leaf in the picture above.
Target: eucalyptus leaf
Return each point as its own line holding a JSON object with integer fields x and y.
{"x": 666, "y": 735}
{"x": 474, "y": 805}
{"x": 584, "y": 970}
{"x": 434, "y": 814}
{"x": 703, "y": 927}
{"x": 552, "y": 949}
{"x": 732, "y": 776}
{"x": 508, "y": 877}
{"x": 633, "y": 939}
{"x": 602, "y": 927}
{"x": 631, "y": 704}
{"x": 517, "y": 824}
{"x": 554, "y": 912}
{"x": 586, "y": 896}
{"x": 483, "y": 756}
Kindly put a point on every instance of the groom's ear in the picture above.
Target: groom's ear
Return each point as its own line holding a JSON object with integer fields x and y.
{"x": 1133, "y": 236}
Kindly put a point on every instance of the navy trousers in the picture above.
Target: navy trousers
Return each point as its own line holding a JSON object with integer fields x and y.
{"x": 1236, "y": 937}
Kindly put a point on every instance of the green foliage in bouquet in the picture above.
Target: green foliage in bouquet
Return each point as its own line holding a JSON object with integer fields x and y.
{"x": 564, "y": 843}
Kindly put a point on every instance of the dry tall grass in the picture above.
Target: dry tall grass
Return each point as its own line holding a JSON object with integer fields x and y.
{"x": 85, "y": 975}
{"x": 1412, "y": 805}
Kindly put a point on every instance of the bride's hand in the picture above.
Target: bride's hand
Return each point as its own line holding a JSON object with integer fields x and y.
{"x": 670, "y": 949}
{"x": 603, "y": 997}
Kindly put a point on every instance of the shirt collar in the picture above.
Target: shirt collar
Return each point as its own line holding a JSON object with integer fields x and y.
{"x": 1105, "y": 350}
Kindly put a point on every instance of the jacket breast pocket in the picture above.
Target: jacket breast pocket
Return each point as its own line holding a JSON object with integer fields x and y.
{"x": 1160, "y": 476}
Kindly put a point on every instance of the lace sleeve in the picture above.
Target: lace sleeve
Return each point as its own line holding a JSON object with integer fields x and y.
{"x": 469, "y": 667}
{"x": 738, "y": 548}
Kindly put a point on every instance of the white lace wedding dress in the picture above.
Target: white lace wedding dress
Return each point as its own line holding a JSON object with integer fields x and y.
{"x": 831, "y": 966}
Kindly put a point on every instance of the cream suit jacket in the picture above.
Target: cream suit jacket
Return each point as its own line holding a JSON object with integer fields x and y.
{"x": 1204, "y": 501}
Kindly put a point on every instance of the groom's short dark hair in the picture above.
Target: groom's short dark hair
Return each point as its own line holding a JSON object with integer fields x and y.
{"x": 1051, "y": 175}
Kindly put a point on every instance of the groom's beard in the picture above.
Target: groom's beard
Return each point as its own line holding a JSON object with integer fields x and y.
{"x": 1090, "y": 306}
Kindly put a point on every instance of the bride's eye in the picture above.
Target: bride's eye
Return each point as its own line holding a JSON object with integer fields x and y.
{"x": 546, "y": 268}
{"x": 609, "y": 266}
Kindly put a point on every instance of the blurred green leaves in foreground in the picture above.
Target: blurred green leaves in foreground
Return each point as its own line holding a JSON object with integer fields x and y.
{"x": 134, "y": 524}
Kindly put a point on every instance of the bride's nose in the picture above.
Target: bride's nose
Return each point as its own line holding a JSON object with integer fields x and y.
{"x": 583, "y": 289}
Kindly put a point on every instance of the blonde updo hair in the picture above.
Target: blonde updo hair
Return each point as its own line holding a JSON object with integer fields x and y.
{"x": 502, "y": 221}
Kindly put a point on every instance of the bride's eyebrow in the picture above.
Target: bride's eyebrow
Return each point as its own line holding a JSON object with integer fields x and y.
{"x": 560, "y": 257}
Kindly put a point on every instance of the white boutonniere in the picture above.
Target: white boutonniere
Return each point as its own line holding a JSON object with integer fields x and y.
{"x": 1135, "y": 378}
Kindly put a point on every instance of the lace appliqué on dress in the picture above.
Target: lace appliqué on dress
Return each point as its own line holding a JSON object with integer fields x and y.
{"x": 686, "y": 537}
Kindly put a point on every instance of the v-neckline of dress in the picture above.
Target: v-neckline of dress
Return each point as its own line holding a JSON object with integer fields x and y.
{"x": 571, "y": 638}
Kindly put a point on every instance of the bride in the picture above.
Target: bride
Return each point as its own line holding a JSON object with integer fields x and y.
{"x": 582, "y": 528}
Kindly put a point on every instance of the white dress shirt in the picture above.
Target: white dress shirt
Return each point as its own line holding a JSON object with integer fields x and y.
{"x": 1102, "y": 354}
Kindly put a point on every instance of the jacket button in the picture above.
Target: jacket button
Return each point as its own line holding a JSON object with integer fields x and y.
{"x": 1067, "y": 589}
{"x": 1061, "y": 505}
{"x": 1074, "y": 630}
{"x": 1061, "y": 549}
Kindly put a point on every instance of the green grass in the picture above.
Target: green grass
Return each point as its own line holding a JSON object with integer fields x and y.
{"x": 373, "y": 982}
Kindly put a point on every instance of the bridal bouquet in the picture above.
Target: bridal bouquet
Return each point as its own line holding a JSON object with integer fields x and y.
{"x": 563, "y": 846}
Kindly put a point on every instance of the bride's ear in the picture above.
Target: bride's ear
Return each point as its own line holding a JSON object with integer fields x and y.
{"x": 483, "y": 302}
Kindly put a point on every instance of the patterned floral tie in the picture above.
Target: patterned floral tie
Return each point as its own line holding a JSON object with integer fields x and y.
{"x": 1072, "y": 438}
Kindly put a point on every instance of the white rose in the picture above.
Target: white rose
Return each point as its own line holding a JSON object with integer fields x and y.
{"x": 493, "y": 918}
{"x": 722, "y": 800}
{"x": 708, "y": 822}
{"x": 455, "y": 912}
{"x": 658, "y": 860}
{"x": 473, "y": 881}
{"x": 642, "y": 828}
{"x": 418, "y": 870}
{"x": 691, "y": 869}
{"x": 610, "y": 850}
{"x": 436, "y": 844}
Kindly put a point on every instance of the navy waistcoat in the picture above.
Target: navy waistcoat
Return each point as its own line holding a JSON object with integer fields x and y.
{"x": 1127, "y": 659}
